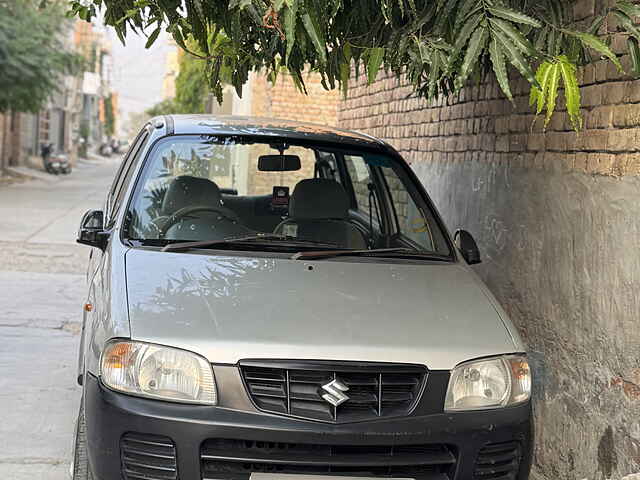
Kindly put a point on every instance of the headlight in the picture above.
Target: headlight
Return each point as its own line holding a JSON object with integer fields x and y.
{"x": 489, "y": 383}
{"x": 158, "y": 372}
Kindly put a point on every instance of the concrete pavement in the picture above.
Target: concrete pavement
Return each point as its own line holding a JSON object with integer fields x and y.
{"x": 42, "y": 287}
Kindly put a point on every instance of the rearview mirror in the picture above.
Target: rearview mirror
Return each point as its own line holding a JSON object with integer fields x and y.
{"x": 91, "y": 230}
{"x": 468, "y": 247}
{"x": 279, "y": 163}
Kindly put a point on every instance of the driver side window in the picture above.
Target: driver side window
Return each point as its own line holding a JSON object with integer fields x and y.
{"x": 125, "y": 171}
{"x": 411, "y": 221}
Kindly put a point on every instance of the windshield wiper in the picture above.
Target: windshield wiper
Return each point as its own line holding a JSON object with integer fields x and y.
{"x": 174, "y": 247}
{"x": 400, "y": 252}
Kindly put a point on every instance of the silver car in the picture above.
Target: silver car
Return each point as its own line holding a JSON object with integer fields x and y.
{"x": 273, "y": 300}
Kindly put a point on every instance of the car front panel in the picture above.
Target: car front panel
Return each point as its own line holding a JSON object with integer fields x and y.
{"x": 133, "y": 438}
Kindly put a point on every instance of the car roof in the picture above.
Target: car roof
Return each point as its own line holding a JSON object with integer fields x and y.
{"x": 203, "y": 124}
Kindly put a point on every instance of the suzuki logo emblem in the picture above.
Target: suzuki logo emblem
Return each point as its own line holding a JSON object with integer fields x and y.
{"x": 335, "y": 395}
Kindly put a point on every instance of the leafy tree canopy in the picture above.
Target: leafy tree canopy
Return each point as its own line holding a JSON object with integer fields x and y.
{"x": 33, "y": 57}
{"x": 191, "y": 85}
{"x": 438, "y": 44}
{"x": 165, "y": 107}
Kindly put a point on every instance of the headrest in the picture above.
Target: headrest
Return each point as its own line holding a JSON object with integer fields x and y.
{"x": 186, "y": 191}
{"x": 317, "y": 199}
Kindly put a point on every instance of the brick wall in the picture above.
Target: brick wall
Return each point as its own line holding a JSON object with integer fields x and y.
{"x": 557, "y": 218}
{"x": 479, "y": 121}
{"x": 283, "y": 100}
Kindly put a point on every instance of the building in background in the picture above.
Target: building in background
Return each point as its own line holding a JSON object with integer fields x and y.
{"x": 172, "y": 69}
{"x": 99, "y": 116}
{"x": 80, "y": 113}
{"x": 25, "y": 133}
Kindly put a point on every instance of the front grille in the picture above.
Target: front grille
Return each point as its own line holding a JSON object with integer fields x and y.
{"x": 498, "y": 461}
{"x": 296, "y": 389}
{"x": 236, "y": 457}
{"x": 148, "y": 457}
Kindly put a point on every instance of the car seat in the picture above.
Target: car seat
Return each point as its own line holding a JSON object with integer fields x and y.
{"x": 192, "y": 209}
{"x": 319, "y": 211}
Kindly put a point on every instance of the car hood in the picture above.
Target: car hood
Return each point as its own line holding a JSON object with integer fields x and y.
{"x": 229, "y": 308}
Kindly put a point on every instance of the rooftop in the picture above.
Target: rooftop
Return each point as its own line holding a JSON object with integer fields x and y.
{"x": 239, "y": 125}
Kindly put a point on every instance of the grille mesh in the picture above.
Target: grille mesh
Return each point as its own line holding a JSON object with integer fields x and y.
{"x": 224, "y": 456}
{"x": 148, "y": 457}
{"x": 373, "y": 391}
{"x": 498, "y": 461}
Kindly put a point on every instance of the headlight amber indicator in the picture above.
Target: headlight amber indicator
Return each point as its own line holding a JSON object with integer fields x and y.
{"x": 118, "y": 356}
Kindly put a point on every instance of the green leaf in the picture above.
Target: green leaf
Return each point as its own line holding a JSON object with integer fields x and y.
{"x": 152, "y": 38}
{"x": 424, "y": 52}
{"x": 551, "y": 91}
{"x": 346, "y": 52}
{"x": 299, "y": 82}
{"x": 571, "y": 91}
{"x": 434, "y": 75}
{"x": 630, "y": 9}
{"x": 541, "y": 39}
{"x": 476, "y": 45}
{"x": 120, "y": 35}
{"x": 316, "y": 37}
{"x": 177, "y": 36}
{"x": 536, "y": 96}
{"x": 345, "y": 73}
{"x": 500, "y": 68}
{"x": 591, "y": 41}
{"x": 627, "y": 23}
{"x": 466, "y": 9}
{"x": 634, "y": 52}
{"x": 199, "y": 8}
{"x": 290, "y": 20}
{"x": 515, "y": 57}
{"x": 518, "y": 40}
{"x": 513, "y": 16}
{"x": 597, "y": 23}
{"x": 542, "y": 77}
{"x": 240, "y": 4}
{"x": 464, "y": 34}
{"x": 376, "y": 55}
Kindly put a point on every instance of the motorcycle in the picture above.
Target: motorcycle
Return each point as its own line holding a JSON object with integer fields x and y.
{"x": 115, "y": 146}
{"x": 105, "y": 150}
{"x": 54, "y": 163}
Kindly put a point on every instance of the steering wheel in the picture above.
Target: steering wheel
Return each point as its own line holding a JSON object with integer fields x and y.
{"x": 186, "y": 211}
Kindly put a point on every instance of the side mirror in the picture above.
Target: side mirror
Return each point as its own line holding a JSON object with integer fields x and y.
{"x": 467, "y": 246}
{"x": 91, "y": 230}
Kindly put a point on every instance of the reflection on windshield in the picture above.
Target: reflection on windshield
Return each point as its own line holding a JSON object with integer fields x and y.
{"x": 208, "y": 189}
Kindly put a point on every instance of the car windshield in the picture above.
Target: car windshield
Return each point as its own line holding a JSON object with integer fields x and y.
{"x": 286, "y": 195}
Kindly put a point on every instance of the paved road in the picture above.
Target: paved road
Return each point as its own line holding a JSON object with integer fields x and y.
{"x": 41, "y": 293}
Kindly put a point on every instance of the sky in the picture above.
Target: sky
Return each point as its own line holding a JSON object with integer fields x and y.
{"x": 138, "y": 73}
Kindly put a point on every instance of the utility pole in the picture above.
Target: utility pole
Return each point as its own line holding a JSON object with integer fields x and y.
{"x": 4, "y": 135}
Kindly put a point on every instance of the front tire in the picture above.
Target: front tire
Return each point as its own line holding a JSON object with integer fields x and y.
{"x": 80, "y": 469}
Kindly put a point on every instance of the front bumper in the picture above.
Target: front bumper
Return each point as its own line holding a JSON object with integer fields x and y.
{"x": 110, "y": 416}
